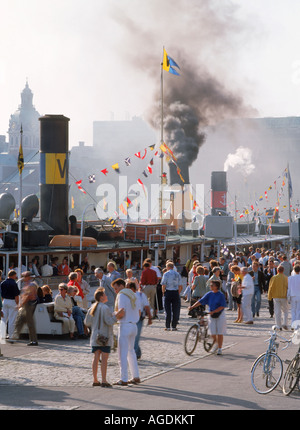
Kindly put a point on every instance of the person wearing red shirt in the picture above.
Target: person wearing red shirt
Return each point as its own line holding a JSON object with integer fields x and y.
{"x": 63, "y": 268}
{"x": 149, "y": 282}
{"x": 73, "y": 283}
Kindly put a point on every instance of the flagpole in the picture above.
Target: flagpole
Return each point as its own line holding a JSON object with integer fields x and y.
{"x": 289, "y": 198}
{"x": 161, "y": 142}
{"x": 20, "y": 215}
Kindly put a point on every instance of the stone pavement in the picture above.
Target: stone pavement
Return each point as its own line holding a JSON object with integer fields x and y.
{"x": 58, "y": 362}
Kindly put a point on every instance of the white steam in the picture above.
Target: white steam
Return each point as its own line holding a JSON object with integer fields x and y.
{"x": 240, "y": 160}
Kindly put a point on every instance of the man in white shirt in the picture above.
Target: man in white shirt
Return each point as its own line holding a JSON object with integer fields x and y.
{"x": 247, "y": 294}
{"x": 126, "y": 299}
{"x": 46, "y": 270}
{"x": 293, "y": 294}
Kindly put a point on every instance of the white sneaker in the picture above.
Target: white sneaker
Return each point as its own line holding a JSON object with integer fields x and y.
{"x": 219, "y": 351}
{"x": 214, "y": 348}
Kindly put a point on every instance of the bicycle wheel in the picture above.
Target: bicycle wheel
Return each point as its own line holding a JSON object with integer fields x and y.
{"x": 291, "y": 376}
{"x": 266, "y": 373}
{"x": 207, "y": 341}
{"x": 191, "y": 339}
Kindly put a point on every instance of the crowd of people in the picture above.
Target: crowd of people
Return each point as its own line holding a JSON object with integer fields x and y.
{"x": 235, "y": 282}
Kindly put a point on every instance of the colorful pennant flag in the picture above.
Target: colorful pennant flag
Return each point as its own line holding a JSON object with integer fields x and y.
{"x": 139, "y": 155}
{"x": 169, "y": 64}
{"x": 104, "y": 171}
{"x": 122, "y": 209}
{"x": 78, "y": 183}
{"x": 142, "y": 185}
{"x": 116, "y": 167}
{"x": 128, "y": 202}
{"x": 127, "y": 161}
{"x": 112, "y": 222}
{"x": 92, "y": 179}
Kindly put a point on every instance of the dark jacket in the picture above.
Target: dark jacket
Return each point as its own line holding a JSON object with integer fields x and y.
{"x": 261, "y": 280}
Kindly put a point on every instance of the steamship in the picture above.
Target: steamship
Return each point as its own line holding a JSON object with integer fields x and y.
{"x": 55, "y": 234}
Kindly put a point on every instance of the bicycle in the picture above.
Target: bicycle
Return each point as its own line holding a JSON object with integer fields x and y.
{"x": 198, "y": 332}
{"x": 267, "y": 369}
{"x": 292, "y": 374}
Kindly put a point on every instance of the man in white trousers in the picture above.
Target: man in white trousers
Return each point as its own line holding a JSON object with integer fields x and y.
{"x": 10, "y": 294}
{"x": 127, "y": 332}
{"x": 278, "y": 293}
{"x": 247, "y": 294}
{"x": 293, "y": 293}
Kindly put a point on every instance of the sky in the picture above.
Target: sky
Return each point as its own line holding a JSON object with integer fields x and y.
{"x": 97, "y": 59}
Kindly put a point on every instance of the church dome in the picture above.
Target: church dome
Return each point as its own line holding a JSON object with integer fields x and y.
{"x": 28, "y": 117}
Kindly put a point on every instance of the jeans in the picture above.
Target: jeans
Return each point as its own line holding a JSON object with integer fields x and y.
{"x": 139, "y": 326}
{"x": 78, "y": 316}
{"x": 256, "y": 300}
{"x": 172, "y": 308}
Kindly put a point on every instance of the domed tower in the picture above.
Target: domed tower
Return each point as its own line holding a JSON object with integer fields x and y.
{"x": 28, "y": 117}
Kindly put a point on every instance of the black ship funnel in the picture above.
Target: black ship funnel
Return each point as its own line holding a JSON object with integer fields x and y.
{"x": 54, "y": 172}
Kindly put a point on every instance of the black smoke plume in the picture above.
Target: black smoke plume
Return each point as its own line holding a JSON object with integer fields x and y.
{"x": 201, "y": 36}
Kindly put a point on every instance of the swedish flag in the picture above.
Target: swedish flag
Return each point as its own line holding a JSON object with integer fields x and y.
{"x": 169, "y": 64}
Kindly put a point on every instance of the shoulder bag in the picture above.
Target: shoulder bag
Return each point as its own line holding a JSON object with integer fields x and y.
{"x": 101, "y": 340}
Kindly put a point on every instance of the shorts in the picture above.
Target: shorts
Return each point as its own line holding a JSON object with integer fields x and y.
{"x": 238, "y": 300}
{"x": 217, "y": 325}
{"x": 102, "y": 349}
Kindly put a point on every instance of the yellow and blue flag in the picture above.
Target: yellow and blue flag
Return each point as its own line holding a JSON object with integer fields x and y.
{"x": 20, "y": 159}
{"x": 169, "y": 64}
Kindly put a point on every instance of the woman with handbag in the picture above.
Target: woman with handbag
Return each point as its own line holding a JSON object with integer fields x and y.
{"x": 216, "y": 302}
{"x": 101, "y": 320}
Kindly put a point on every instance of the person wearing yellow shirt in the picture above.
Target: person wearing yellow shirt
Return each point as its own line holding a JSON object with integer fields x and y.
{"x": 278, "y": 288}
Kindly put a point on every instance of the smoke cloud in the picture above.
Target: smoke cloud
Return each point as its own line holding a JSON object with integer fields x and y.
{"x": 201, "y": 37}
{"x": 242, "y": 160}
